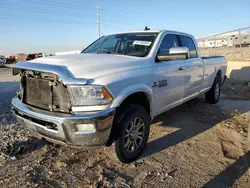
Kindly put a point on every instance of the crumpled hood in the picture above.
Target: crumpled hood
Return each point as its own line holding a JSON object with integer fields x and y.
{"x": 93, "y": 65}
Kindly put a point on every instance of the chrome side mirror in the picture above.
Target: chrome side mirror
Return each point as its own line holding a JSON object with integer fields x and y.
{"x": 179, "y": 53}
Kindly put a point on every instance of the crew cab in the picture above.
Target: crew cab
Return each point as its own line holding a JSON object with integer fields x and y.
{"x": 109, "y": 94}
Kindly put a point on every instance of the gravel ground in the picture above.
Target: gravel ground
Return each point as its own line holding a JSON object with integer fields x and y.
{"x": 193, "y": 145}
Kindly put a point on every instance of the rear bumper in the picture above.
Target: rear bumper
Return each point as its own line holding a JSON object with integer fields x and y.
{"x": 61, "y": 128}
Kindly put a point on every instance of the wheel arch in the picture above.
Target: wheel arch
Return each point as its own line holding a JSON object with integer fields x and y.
{"x": 138, "y": 94}
{"x": 133, "y": 92}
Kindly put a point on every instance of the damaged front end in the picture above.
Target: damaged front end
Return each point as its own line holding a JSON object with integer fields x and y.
{"x": 44, "y": 91}
{"x": 44, "y": 105}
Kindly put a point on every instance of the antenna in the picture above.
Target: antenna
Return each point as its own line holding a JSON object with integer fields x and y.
{"x": 146, "y": 28}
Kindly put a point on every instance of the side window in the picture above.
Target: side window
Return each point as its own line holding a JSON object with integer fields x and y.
{"x": 109, "y": 44}
{"x": 185, "y": 41}
{"x": 169, "y": 41}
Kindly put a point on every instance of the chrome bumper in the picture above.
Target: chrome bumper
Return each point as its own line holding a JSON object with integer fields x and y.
{"x": 61, "y": 128}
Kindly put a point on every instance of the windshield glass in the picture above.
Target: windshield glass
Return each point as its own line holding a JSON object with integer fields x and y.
{"x": 132, "y": 44}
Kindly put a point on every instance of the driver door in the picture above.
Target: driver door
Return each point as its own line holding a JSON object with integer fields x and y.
{"x": 171, "y": 92}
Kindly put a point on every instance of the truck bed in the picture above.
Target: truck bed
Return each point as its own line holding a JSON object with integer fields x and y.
{"x": 219, "y": 60}
{"x": 211, "y": 57}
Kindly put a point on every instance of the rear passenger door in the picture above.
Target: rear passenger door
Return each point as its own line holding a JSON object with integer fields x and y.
{"x": 194, "y": 67}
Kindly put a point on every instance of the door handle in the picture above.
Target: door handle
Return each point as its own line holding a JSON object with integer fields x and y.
{"x": 182, "y": 68}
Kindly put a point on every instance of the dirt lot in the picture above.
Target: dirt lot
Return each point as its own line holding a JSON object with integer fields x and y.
{"x": 194, "y": 145}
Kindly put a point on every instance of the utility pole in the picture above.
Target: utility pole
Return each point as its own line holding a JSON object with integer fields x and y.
{"x": 98, "y": 19}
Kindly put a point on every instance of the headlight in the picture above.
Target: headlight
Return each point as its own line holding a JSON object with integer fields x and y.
{"x": 89, "y": 95}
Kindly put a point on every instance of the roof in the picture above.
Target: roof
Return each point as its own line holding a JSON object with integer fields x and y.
{"x": 152, "y": 31}
{"x": 138, "y": 31}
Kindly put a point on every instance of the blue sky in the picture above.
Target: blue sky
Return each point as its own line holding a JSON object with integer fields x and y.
{"x": 57, "y": 25}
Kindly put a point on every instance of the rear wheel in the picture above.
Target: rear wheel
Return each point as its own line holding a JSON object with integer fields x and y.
{"x": 133, "y": 131}
{"x": 213, "y": 95}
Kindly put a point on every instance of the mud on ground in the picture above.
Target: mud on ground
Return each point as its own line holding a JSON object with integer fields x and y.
{"x": 193, "y": 145}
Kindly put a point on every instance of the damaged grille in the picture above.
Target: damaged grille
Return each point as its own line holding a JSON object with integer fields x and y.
{"x": 44, "y": 92}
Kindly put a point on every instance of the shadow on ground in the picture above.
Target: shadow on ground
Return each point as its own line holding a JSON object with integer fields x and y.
{"x": 228, "y": 176}
{"x": 192, "y": 118}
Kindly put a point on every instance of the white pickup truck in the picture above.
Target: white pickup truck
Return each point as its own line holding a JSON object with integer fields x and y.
{"x": 109, "y": 94}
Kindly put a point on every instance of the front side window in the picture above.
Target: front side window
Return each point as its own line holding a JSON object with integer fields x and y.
{"x": 131, "y": 44}
{"x": 185, "y": 41}
{"x": 169, "y": 41}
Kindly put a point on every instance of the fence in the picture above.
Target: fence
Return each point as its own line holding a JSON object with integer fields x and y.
{"x": 235, "y": 45}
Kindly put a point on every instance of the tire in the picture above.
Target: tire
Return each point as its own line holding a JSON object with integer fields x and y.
{"x": 213, "y": 95}
{"x": 125, "y": 145}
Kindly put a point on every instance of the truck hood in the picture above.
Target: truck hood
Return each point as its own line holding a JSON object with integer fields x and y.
{"x": 93, "y": 65}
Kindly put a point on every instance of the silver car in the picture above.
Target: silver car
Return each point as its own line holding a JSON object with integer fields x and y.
{"x": 2, "y": 59}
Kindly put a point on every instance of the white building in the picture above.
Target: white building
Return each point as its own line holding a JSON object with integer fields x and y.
{"x": 201, "y": 44}
{"x": 214, "y": 43}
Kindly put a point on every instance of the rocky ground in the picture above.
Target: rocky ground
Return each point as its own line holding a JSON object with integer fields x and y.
{"x": 194, "y": 145}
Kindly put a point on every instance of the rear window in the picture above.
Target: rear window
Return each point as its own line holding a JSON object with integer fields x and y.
{"x": 185, "y": 41}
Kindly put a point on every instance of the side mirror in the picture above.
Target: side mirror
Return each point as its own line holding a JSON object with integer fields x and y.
{"x": 179, "y": 53}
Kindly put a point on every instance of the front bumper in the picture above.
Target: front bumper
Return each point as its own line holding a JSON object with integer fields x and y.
{"x": 61, "y": 128}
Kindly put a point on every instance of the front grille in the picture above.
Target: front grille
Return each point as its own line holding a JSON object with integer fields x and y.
{"x": 45, "y": 94}
{"x": 37, "y": 92}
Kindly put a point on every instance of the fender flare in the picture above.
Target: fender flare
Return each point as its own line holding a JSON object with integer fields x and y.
{"x": 131, "y": 90}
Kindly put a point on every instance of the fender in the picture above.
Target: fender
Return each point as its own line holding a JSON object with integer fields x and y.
{"x": 131, "y": 90}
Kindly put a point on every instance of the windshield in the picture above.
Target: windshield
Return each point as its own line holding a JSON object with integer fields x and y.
{"x": 132, "y": 44}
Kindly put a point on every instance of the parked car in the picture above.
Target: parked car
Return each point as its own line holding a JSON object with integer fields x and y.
{"x": 34, "y": 56}
{"x": 2, "y": 59}
{"x": 109, "y": 94}
{"x": 31, "y": 57}
{"x": 11, "y": 59}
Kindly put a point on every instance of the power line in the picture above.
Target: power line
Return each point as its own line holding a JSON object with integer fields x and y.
{"x": 62, "y": 5}
{"x": 110, "y": 20}
{"x": 121, "y": 23}
{"x": 72, "y": 5}
{"x": 54, "y": 21}
{"x": 77, "y": 15}
{"x": 112, "y": 14}
{"x": 113, "y": 26}
{"x": 47, "y": 11}
{"x": 43, "y": 20}
{"x": 40, "y": 10}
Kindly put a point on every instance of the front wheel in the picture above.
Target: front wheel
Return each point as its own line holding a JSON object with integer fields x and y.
{"x": 213, "y": 95}
{"x": 133, "y": 131}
